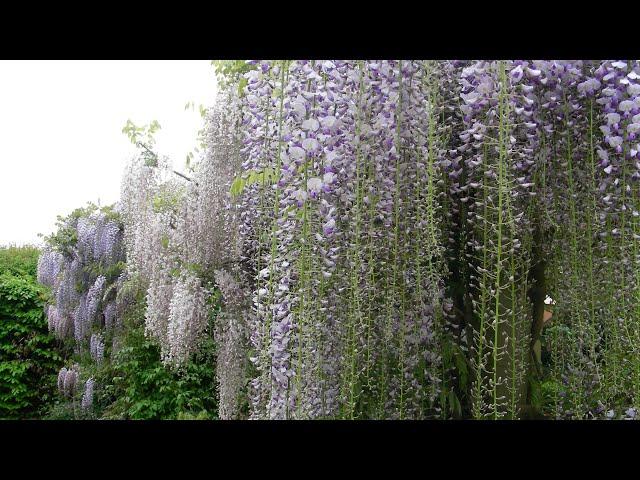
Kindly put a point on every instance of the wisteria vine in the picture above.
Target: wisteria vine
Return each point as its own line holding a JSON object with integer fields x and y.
{"x": 387, "y": 240}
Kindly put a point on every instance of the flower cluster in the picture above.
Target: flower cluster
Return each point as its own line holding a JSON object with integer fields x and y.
{"x": 87, "y": 395}
{"x": 81, "y": 264}
{"x": 68, "y": 381}
{"x": 96, "y": 348}
{"x": 384, "y": 235}
{"x": 231, "y": 336}
{"x": 177, "y": 232}
{"x": 49, "y": 264}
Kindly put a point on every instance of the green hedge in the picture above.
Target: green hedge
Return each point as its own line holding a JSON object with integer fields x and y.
{"x": 29, "y": 361}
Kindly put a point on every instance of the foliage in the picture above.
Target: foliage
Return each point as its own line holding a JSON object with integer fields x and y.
{"x": 28, "y": 356}
{"x": 142, "y": 133}
{"x": 265, "y": 176}
{"x": 202, "y": 110}
{"x": 230, "y": 72}
{"x": 19, "y": 261}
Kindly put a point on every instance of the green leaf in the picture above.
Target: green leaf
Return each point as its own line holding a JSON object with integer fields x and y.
{"x": 241, "y": 84}
{"x": 237, "y": 186}
{"x": 155, "y": 125}
{"x": 461, "y": 366}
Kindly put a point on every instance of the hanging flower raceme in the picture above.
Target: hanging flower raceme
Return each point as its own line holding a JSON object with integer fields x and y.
{"x": 68, "y": 381}
{"x": 96, "y": 348}
{"x": 49, "y": 265}
{"x": 87, "y": 395}
{"x": 185, "y": 322}
{"x": 231, "y": 336}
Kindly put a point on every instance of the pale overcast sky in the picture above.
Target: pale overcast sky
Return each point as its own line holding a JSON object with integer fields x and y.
{"x": 61, "y": 140}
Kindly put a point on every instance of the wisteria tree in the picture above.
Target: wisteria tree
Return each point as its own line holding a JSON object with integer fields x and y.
{"x": 386, "y": 240}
